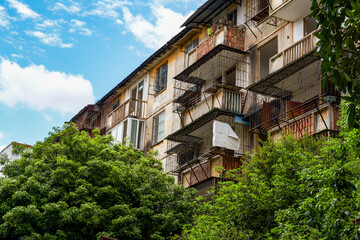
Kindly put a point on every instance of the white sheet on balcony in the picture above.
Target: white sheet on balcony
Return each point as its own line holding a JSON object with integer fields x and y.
{"x": 224, "y": 136}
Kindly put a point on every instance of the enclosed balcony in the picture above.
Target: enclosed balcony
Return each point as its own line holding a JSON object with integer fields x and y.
{"x": 88, "y": 118}
{"x": 208, "y": 188}
{"x": 216, "y": 134}
{"x": 193, "y": 106}
{"x": 232, "y": 37}
{"x": 257, "y": 11}
{"x": 291, "y": 10}
{"x": 131, "y": 108}
{"x": 293, "y": 100}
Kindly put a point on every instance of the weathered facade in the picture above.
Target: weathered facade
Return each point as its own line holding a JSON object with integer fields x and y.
{"x": 237, "y": 72}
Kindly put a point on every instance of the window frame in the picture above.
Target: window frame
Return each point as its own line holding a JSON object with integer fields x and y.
{"x": 156, "y": 126}
{"x": 124, "y": 129}
{"x": 190, "y": 48}
{"x": 161, "y": 77}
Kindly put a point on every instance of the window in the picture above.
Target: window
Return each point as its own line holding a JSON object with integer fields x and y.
{"x": 189, "y": 52}
{"x": 133, "y": 130}
{"x": 136, "y": 104}
{"x": 115, "y": 105}
{"x": 232, "y": 16}
{"x": 192, "y": 45}
{"x": 158, "y": 127}
{"x": 161, "y": 78}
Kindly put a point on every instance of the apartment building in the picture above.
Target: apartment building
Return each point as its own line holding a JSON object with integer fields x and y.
{"x": 238, "y": 72}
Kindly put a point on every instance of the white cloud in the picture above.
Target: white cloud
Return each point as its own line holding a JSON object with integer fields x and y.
{"x": 40, "y": 89}
{"x": 17, "y": 55}
{"x": 79, "y": 26}
{"x": 51, "y": 39}
{"x": 73, "y": 8}
{"x": 48, "y": 118}
{"x": 48, "y": 23}
{"x": 78, "y": 23}
{"x": 1, "y": 135}
{"x": 154, "y": 35}
{"x": 118, "y": 21}
{"x": 107, "y": 8}
{"x": 24, "y": 10}
{"x": 4, "y": 18}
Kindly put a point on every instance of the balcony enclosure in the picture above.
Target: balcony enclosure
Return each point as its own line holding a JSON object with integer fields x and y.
{"x": 88, "y": 118}
{"x": 208, "y": 188}
{"x": 232, "y": 37}
{"x": 202, "y": 103}
{"x": 217, "y": 134}
{"x": 292, "y": 100}
{"x": 131, "y": 108}
{"x": 215, "y": 81}
{"x": 257, "y": 11}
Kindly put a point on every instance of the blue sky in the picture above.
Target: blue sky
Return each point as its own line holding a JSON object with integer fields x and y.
{"x": 56, "y": 56}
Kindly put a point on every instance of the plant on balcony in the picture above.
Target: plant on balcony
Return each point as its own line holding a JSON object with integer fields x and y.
{"x": 72, "y": 186}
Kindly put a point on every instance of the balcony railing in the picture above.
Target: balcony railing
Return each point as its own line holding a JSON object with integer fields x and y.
{"x": 230, "y": 36}
{"x": 204, "y": 188}
{"x": 306, "y": 118}
{"x": 228, "y": 100}
{"x": 290, "y": 54}
{"x": 88, "y": 125}
{"x": 131, "y": 108}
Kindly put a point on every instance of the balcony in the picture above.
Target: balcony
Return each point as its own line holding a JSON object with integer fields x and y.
{"x": 217, "y": 54}
{"x": 88, "y": 118}
{"x": 217, "y": 133}
{"x": 314, "y": 116}
{"x": 192, "y": 105}
{"x": 204, "y": 188}
{"x": 257, "y": 11}
{"x": 130, "y": 108}
{"x": 291, "y": 10}
{"x": 294, "y": 52}
{"x": 232, "y": 37}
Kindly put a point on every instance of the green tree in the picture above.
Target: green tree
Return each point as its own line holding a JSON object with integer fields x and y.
{"x": 72, "y": 186}
{"x": 339, "y": 49}
{"x": 289, "y": 189}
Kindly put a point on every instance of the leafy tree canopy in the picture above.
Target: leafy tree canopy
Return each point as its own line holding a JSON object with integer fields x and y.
{"x": 289, "y": 189}
{"x": 339, "y": 49}
{"x": 72, "y": 186}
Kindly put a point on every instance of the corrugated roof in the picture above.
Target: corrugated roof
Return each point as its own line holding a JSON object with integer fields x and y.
{"x": 206, "y": 12}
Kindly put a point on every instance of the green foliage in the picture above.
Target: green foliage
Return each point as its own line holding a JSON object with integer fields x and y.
{"x": 339, "y": 49}
{"x": 72, "y": 186}
{"x": 289, "y": 189}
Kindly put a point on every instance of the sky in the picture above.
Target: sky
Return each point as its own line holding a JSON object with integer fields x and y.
{"x": 56, "y": 56}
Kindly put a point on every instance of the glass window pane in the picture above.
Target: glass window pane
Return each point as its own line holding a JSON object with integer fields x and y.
{"x": 141, "y": 85}
{"x": 155, "y": 129}
{"x": 141, "y": 135}
{"x": 120, "y": 133}
{"x": 160, "y": 136}
{"x": 133, "y": 132}
{"x": 124, "y": 132}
